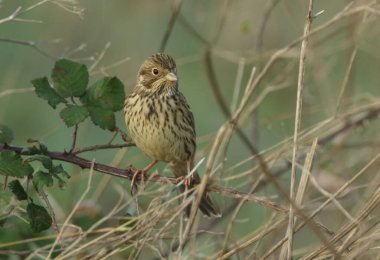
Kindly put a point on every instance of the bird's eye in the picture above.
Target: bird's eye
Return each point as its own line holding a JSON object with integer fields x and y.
{"x": 155, "y": 71}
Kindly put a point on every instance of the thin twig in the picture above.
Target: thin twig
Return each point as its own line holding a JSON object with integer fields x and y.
{"x": 210, "y": 71}
{"x": 329, "y": 195}
{"x": 259, "y": 49}
{"x": 349, "y": 69}
{"x": 11, "y": 16}
{"x": 101, "y": 147}
{"x": 352, "y": 121}
{"x": 44, "y": 196}
{"x": 84, "y": 194}
{"x": 31, "y": 44}
{"x": 297, "y": 125}
{"x": 185, "y": 23}
{"x": 15, "y": 91}
{"x": 263, "y": 25}
{"x": 173, "y": 18}
{"x": 249, "y": 197}
{"x": 103, "y": 69}
{"x": 367, "y": 115}
{"x": 237, "y": 85}
{"x": 129, "y": 172}
{"x": 99, "y": 57}
{"x": 306, "y": 173}
{"x": 232, "y": 221}
{"x": 370, "y": 206}
{"x": 75, "y": 134}
{"x": 325, "y": 203}
{"x": 202, "y": 187}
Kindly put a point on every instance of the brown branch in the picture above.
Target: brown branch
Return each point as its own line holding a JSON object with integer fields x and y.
{"x": 101, "y": 147}
{"x": 260, "y": 36}
{"x": 215, "y": 87}
{"x": 369, "y": 115}
{"x": 75, "y": 135}
{"x": 44, "y": 196}
{"x": 233, "y": 121}
{"x": 259, "y": 49}
{"x": 210, "y": 71}
{"x": 222, "y": 131}
{"x": 249, "y": 197}
{"x": 357, "y": 121}
{"x": 81, "y": 162}
{"x": 186, "y": 24}
{"x": 369, "y": 207}
{"x": 128, "y": 174}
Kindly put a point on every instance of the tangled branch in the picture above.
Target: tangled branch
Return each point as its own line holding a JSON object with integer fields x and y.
{"x": 73, "y": 158}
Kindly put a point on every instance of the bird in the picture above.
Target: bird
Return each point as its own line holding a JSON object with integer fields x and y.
{"x": 160, "y": 122}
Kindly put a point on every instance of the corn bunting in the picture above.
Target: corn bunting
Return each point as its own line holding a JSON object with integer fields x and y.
{"x": 160, "y": 122}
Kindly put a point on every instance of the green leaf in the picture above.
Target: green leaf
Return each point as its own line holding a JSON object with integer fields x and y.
{"x": 45, "y": 91}
{"x": 45, "y": 160}
{"x": 6, "y": 134}
{"x": 39, "y": 218}
{"x": 33, "y": 150}
{"x": 103, "y": 118}
{"x": 69, "y": 78}
{"x": 43, "y": 148}
{"x": 42, "y": 179}
{"x": 58, "y": 169}
{"x": 73, "y": 115}
{"x": 5, "y": 202}
{"x": 107, "y": 93}
{"x": 40, "y": 148}
{"x": 17, "y": 189}
{"x": 11, "y": 164}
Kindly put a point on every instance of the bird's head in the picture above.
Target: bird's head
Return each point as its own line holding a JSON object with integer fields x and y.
{"x": 158, "y": 74}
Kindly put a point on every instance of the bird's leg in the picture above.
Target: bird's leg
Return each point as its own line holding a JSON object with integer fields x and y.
{"x": 143, "y": 172}
{"x": 188, "y": 179}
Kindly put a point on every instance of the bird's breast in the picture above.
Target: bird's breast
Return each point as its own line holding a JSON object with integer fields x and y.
{"x": 159, "y": 127}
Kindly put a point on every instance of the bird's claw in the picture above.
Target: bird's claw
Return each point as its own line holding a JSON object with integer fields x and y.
{"x": 187, "y": 181}
{"x": 142, "y": 173}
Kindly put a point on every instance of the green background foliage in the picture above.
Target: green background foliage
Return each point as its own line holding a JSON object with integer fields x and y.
{"x": 108, "y": 44}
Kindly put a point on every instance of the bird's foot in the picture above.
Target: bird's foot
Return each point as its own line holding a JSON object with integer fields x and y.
{"x": 186, "y": 180}
{"x": 142, "y": 173}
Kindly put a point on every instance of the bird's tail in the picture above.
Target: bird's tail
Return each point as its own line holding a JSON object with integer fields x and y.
{"x": 206, "y": 205}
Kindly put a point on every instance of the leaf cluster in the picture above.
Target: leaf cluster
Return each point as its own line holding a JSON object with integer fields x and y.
{"x": 15, "y": 165}
{"x": 69, "y": 86}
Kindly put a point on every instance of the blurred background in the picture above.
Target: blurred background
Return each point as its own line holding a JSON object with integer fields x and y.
{"x": 114, "y": 37}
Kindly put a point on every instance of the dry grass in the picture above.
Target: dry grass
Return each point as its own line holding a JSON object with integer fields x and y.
{"x": 305, "y": 217}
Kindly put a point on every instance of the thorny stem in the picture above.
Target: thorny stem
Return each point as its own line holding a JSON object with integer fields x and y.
{"x": 74, "y": 138}
{"x": 129, "y": 173}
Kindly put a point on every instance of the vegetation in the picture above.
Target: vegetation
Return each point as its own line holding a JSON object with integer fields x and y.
{"x": 285, "y": 98}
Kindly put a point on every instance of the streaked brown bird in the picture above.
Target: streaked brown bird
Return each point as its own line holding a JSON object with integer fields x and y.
{"x": 160, "y": 122}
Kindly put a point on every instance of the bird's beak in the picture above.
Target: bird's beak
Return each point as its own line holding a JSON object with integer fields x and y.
{"x": 171, "y": 77}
